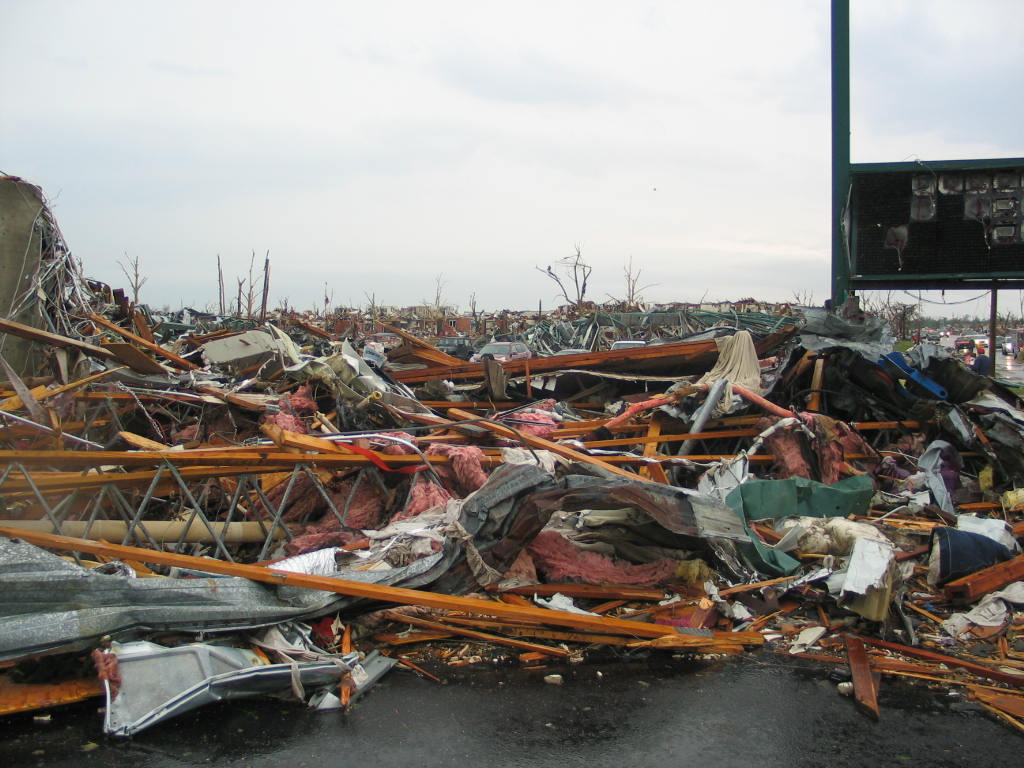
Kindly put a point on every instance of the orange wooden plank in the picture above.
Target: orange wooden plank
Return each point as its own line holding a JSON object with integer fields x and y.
{"x": 382, "y": 593}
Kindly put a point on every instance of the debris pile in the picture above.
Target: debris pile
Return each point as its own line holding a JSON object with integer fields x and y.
{"x": 199, "y": 513}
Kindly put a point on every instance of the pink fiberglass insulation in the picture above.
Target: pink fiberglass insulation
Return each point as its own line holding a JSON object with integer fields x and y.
{"x": 362, "y": 509}
{"x": 305, "y": 502}
{"x": 833, "y": 442}
{"x": 301, "y": 402}
{"x": 425, "y": 495}
{"x": 836, "y": 440}
{"x": 288, "y": 421}
{"x": 465, "y": 471}
{"x": 310, "y": 542}
{"x": 522, "y": 571}
{"x": 787, "y": 449}
{"x": 540, "y": 424}
{"x": 560, "y": 560}
{"x": 186, "y": 434}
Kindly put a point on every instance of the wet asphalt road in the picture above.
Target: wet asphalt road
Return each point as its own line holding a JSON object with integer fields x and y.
{"x": 760, "y": 710}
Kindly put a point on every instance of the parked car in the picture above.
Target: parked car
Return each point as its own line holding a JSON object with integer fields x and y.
{"x": 456, "y": 346}
{"x": 963, "y": 346}
{"x": 503, "y": 351}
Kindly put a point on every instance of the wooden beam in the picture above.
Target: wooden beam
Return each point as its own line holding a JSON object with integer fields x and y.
{"x": 814, "y": 402}
{"x": 950, "y": 661}
{"x": 53, "y": 339}
{"x": 397, "y": 595}
{"x": 546, "y": 445}
{"x": 653, "y": 471}
{"x": 865, "y": 687}
{"x": 659, "y": 438}
{"x": 476, "y": 635}
{"x": 178, "y": 362}
{"x": 977, "y": 585}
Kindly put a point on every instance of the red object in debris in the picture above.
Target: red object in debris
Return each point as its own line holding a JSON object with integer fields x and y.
{"x": 560, "y": 560}
{"x": 105, "y": 661}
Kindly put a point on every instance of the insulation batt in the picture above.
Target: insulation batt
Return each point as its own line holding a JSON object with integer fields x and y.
{"x": 301, "y": 402}
{"x": 831, "y": 536}
{"x": 424, "y": 495}
{"x": 541, "y": 424}
{"x": 560, "y": 560}
{"x": 465, "y": 471}
{"x": 288, "y": 421}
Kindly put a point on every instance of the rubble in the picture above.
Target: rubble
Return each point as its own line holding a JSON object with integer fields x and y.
{"x": 259, "y": 507}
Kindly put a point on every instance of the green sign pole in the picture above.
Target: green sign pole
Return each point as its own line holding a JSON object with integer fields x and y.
{"x": 840, "y": 146}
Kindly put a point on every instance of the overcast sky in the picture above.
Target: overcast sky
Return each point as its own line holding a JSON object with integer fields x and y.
{"x": 381, "y": 147}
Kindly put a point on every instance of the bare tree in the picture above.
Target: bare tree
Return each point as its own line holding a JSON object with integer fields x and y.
{"x": 897, "y": 314}
{"x": 803, "y": 298}
{"x": 251, "y": 297}
{"x": 241, "y": 285}
{"x": 266, "y": 287}
{"x": 571, "y": 274}
{"x": 220, "y": 285}
{"x": 632, "y": 300}
{"x": 372, "y": 309}
{"x": 133, "y": 272}
{"x": 439, "y": 292}
{"x": 328, "y": 298}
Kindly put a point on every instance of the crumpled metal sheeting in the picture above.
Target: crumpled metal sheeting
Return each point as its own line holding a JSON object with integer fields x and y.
{"x": 49, "y": 603}
{"x": 501, "y": 521}
{"x": 158, "y": 683}
{"x": 870, "y": 337}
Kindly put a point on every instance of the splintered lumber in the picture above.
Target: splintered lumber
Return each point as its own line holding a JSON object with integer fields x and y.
{"x": 14, "y": 402}
{"x": 527, "y": 629}
{"x": 814, "y": 401}
{"x": 134, "y": 357}
{"x": 418, "y": 349}
{"x": 475, "y": 635}
{"x": 345, "y": 689}
{"x": 1010, "y": 703}
{"x": 408, "y": 638}
{"x": 397, "y": 595}
{"x": 255, "y": 403}
{"x": 751, "y": 587}
{"x": 178, "y": 362}
{"x": 141, "y": 442}
{"x": 53, "y": 339}
{"x": 42, "y": 393}
{"x": 674, "y": 359}
{"x": 418, "y": 669}
{"x": 950, "y": 661}
{"x": 977, "y": 585}
{"x": 653, "y": 471}
{"x": 865, "y": 685}
{"x": 29, "y": 697}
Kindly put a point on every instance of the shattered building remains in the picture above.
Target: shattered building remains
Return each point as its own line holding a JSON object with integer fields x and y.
{"x": 267, "y": 508}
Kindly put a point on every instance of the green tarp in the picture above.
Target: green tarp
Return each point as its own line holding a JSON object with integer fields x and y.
{"x": 771, "y": 499}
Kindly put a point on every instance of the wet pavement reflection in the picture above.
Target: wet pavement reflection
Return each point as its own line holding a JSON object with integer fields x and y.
{"x": 765, "y": 710}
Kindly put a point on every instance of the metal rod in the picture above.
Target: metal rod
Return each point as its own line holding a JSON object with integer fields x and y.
{"x": 48, "y": 430}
